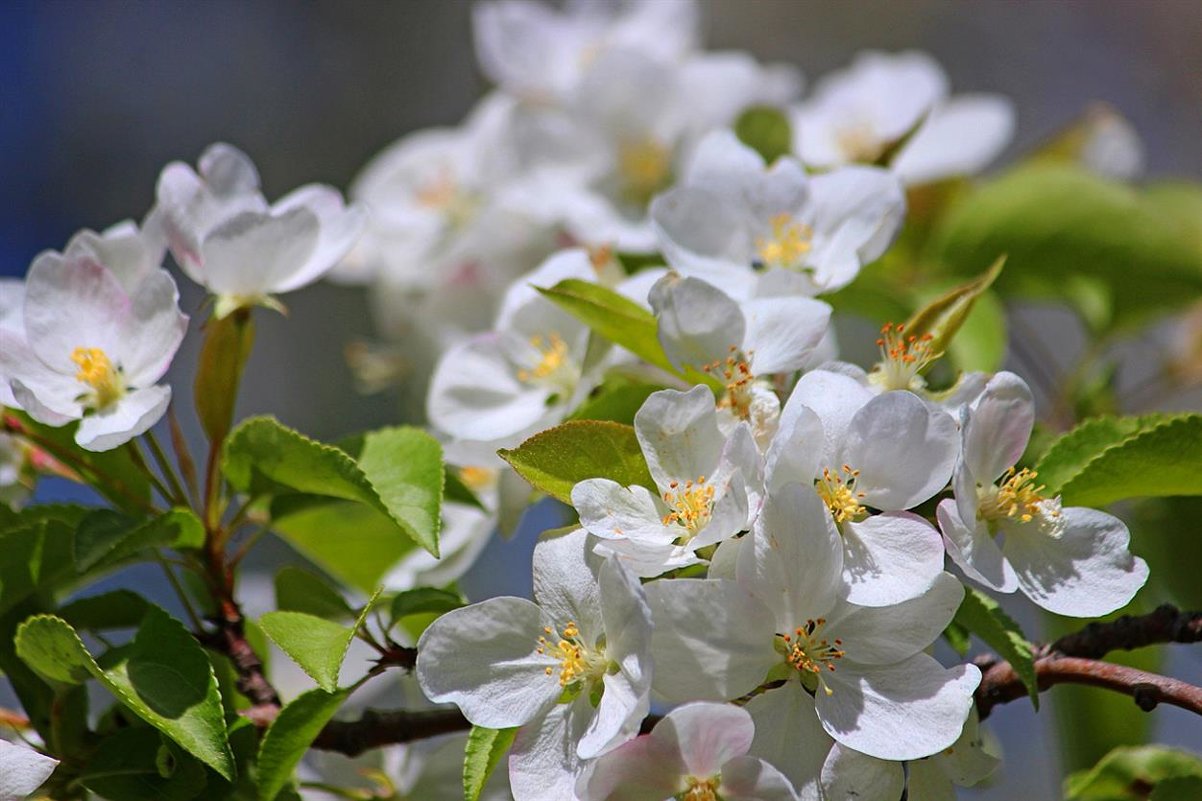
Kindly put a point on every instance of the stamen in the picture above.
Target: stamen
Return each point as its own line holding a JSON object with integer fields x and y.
{"x": 837, "y": 490}
{"x": 903, "y": 358}
{"x": 809, "y": 652}
{"x": 98, "y": 372}
{"x": 576, "y": 661}
{"x": 735, "y": 372}
{"x": 554, "y": 366}
{"x": 692, "y": 505}
{"x": 788, "y": 245}
{"x": 644, "y": 167}
{"x": 700, "y": 789}
{"x": 1019, "y": 498}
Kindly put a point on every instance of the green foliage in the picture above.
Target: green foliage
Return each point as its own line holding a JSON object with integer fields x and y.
{"x": 119, "y": 609}
{"x": 424, "y": 600}
{"x": 1131, "y": 774}
{"x": 399, "y": 472}
{"x": 484, "y": 750}
{"x": 982, "y": 616}
{"x": 105, "y": 538}
{"x": 1059, "y": 223}
{"x": 298, "y": 590}
{"x": 290, "y": 735}
{"x": 553, "y": 461}
{"x": 136, "y": 764}
{"x": 617, "y": 399}
{"x": 1110, "y": 459}
{"x": 453, "y": 489}
{"x": 943, "y": 316}
{"x": 163, "y": 676}
{"x": 765, "y": 130}
{"x": 318, "y": 645}
{"x": 227, "y": 345}
{"x": 621, "y": 321}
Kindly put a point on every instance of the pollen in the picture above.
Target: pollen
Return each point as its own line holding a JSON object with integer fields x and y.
{"x": 97, "y": 371}
{"x": 700, "y": 789}
{"x": 1018, "y": 498}
{"x": 735, "y": 372}
{"x": 577, "y": 662}
{"x": 807, "y": 651}
{"x": 554, "y": 355}
{"x": 692, "y": 505}
{"x": 903, "y": 358}
{"x": 838, "y": 492}
{"x": 644, "y": 168}
{"x": 788, "y": 245}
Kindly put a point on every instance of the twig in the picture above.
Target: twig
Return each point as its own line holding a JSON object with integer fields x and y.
{"x": 376, "y": 729}
{"x": 164, "y": 464}
{"x": 187, "y": 468}
{"x": 135, "y": 455}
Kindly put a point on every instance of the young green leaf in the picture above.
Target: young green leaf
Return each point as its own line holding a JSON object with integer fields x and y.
{"x": 942, "y": 317}
{"x": 227, "y": 345}
{"x": 424, "y": 600}
{"x": 118, "y": 609}
{"x": 556, "y": 459}
{"x": 982, "y": 616}
{"x": 298, "y": 590}
{"x": 318, "y": 645}
{"x": 135, "y": 764}
{"x": 290, "y": 735}
{"x": 404, "y": 465}
{"x": 618, "y": 399}
{"x": 163, "y": 677}
{"x": 484, "y": 750}
{"x": 765, "y": 130}
{"x": 454, "y": 490}
{"x": 105, "y": 538}
{"x": 1126, "y": 773}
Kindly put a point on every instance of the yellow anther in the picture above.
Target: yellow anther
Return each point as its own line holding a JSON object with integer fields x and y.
{"x": 692, "y": 505}
{"x": 903, "y": 357}
{"x": 809, "y": 652}
{"x": 735, "y": 372}
{"x": 644, "y": 168}
{"x": 553, "y": 362}
{"x": 700, "y": 789}
{"x": 98, "y": 372}
{"x": 576, "y": 660}
{"x": 837, "y": 491}
{"x": 478, "y": 478}
{"x": 788, "y": 245}
{"x": 1017, "y": 498}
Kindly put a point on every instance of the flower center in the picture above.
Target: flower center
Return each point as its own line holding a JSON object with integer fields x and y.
{"x": 692, "y": 505}
{"x": 644, "y": 168}
{"x": 1018, "y": 498}
{"x": 554, "y": 366}
{"x": 807, "y": 651}
{"x": 859, "y": 142}
{"x": 837, "y": 491}
{"x": 442, "y": 193}
{"x": 577, "y": 662}
{"x": 788, "y": 245}
{"x": 903, "y": 357}
{"x": 478, "y": 479}
{"x": 700, "y": 789}
{"x": 98, "y": 372}
{"x": 735, "y": 372}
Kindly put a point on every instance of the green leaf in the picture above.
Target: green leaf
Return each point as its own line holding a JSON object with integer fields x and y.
{"x": 484, "y": 750}
{"x": 290, "y": 735}
{"x": 1126, "y": 774}
{"x": 118, "y": 609}
{"x": 314, "y": 643}
{"x": 227, "y": 345}
{"x": 1185, "y": 788}
{"x": 556, "y": 459}
{"x": 617, "y": 399}
{"x": 298, "y": 590}
{"x": 424, "y": 600}
{"x": 982, "y": 616}
{"x": 958, "y": 638}
{"x": 105, "y": 538}
{"x": 455, "y": 491}
{"x": 135, "y": 764}
{"x": 1110, "y": 459}
{"x": 37, "y": 557}
{"x": 943, "y": 316}
{"x": 264, "y": 457}
{"x": 620, "y": 320}
{"x": 1054, "y": 222}
{"x": 163, "y": 677}
{"x": 765, "y": 130}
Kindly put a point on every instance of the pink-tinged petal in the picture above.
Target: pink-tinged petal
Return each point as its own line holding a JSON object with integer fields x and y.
{"x": 835, "y": 398}
{"x": 22, "y": 771}
{"x": 72, "y": 303}
{"x": 889, "y": 558}
{"x": 974, "y": 550}
{"x": 153, "y": 330}
{"x": 1086, "y": 571}
{"x": 712, "y": 640}
{"x": 783, "y": 332}
{"x": 131, "y": 416}
{"x": 543, "y": 764}
{"x": 960, "y": 137}
{"x": 678, "y": 432}
{"x": 998, "y": 426}
{"x": 907, "y": 710}
{"x": 789, "y": 735}
{"x": 644, "y": 769}
{"x": 886, "y": 634}
{"x": 485, "y": 659}
{"x": 904, "y": 449}
{"x": 850, "y": 774}
{"x": 48, "y": 396}
{"x": 129, "y": 253}
{"x": 706, "y": 735}
{"x": 794, "y": 561}
{"x": 698, "y": 323}
{"x": 749, "y": 779}
{"x": 228, "y": 171}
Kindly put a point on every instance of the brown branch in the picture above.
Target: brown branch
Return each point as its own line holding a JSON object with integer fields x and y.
{"x": 1075, "y": 659}
{"x": 376, "y": 729}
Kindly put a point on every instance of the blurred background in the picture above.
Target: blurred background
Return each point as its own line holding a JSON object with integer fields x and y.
{"x": 96, "y": 97}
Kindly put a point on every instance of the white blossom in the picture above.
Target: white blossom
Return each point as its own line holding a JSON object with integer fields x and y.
{"x": 22, "y": 771}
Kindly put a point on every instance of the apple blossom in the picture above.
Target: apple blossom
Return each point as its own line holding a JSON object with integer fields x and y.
{"x": 731, "y": 212}
{"x": 226, "y": 237}
{"x": 698, "y": 752}
{"x": 706, "y": 483}
{"x": 886, "y": 101}
{"x": 22, "y": 771}
{"x": 91, "y": 350}
{"x": 573, "y": 671}
{"x": 1072, "y": 561}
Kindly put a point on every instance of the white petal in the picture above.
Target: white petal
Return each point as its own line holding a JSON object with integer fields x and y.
{"x": 227, "y": 170}
{"x": 789, "y": 735}
{"x": 886, "y": 634}
{"x": 750, "y": 779}
{"x": 794, "y": 562}
{"x": 129, "y": 417}
{"x": 697, "y": 323}
{"x": 484, "y": 658}
{"x": 522, "y": 299}
{"x": 22, "y": 771}
{"x": 960, "y": 137}
{"x": 970, "y": 758}
{"x": 889, "y": 558}
{"x": 703, "y": 233}
{"x": 782, "y": 332}
{"x": 153, "y": 330}
{"x": 49, "y": 396}
{"x": 904, "y": 449}
{"x": 565, "y": 581}
{"x": 906, "y": 710}
{"x": 835, "y": 398}
{"x": 855, "y": 212}
{"x": 543, "y": 764}
{"x": 618, "y": 715}
{"x": 253, "y": 254}
{"x": 339, "y": 227}
{"x": 707, "y": 735}
{"x": 998, "y": 426}
{"x": 678, "y": 432}
{"x": 928, "y": 783}
{"x": 712, "y": 640}
{"x": 609, "y": 510}
{"x": 724, "y": 165}
{"x": 72, "y": 303}
{"x": 974, "y": 550}
{"x": 795, "y": 450}
{"x": 1085, "y": 572}
{"x": 850, "y": 774}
